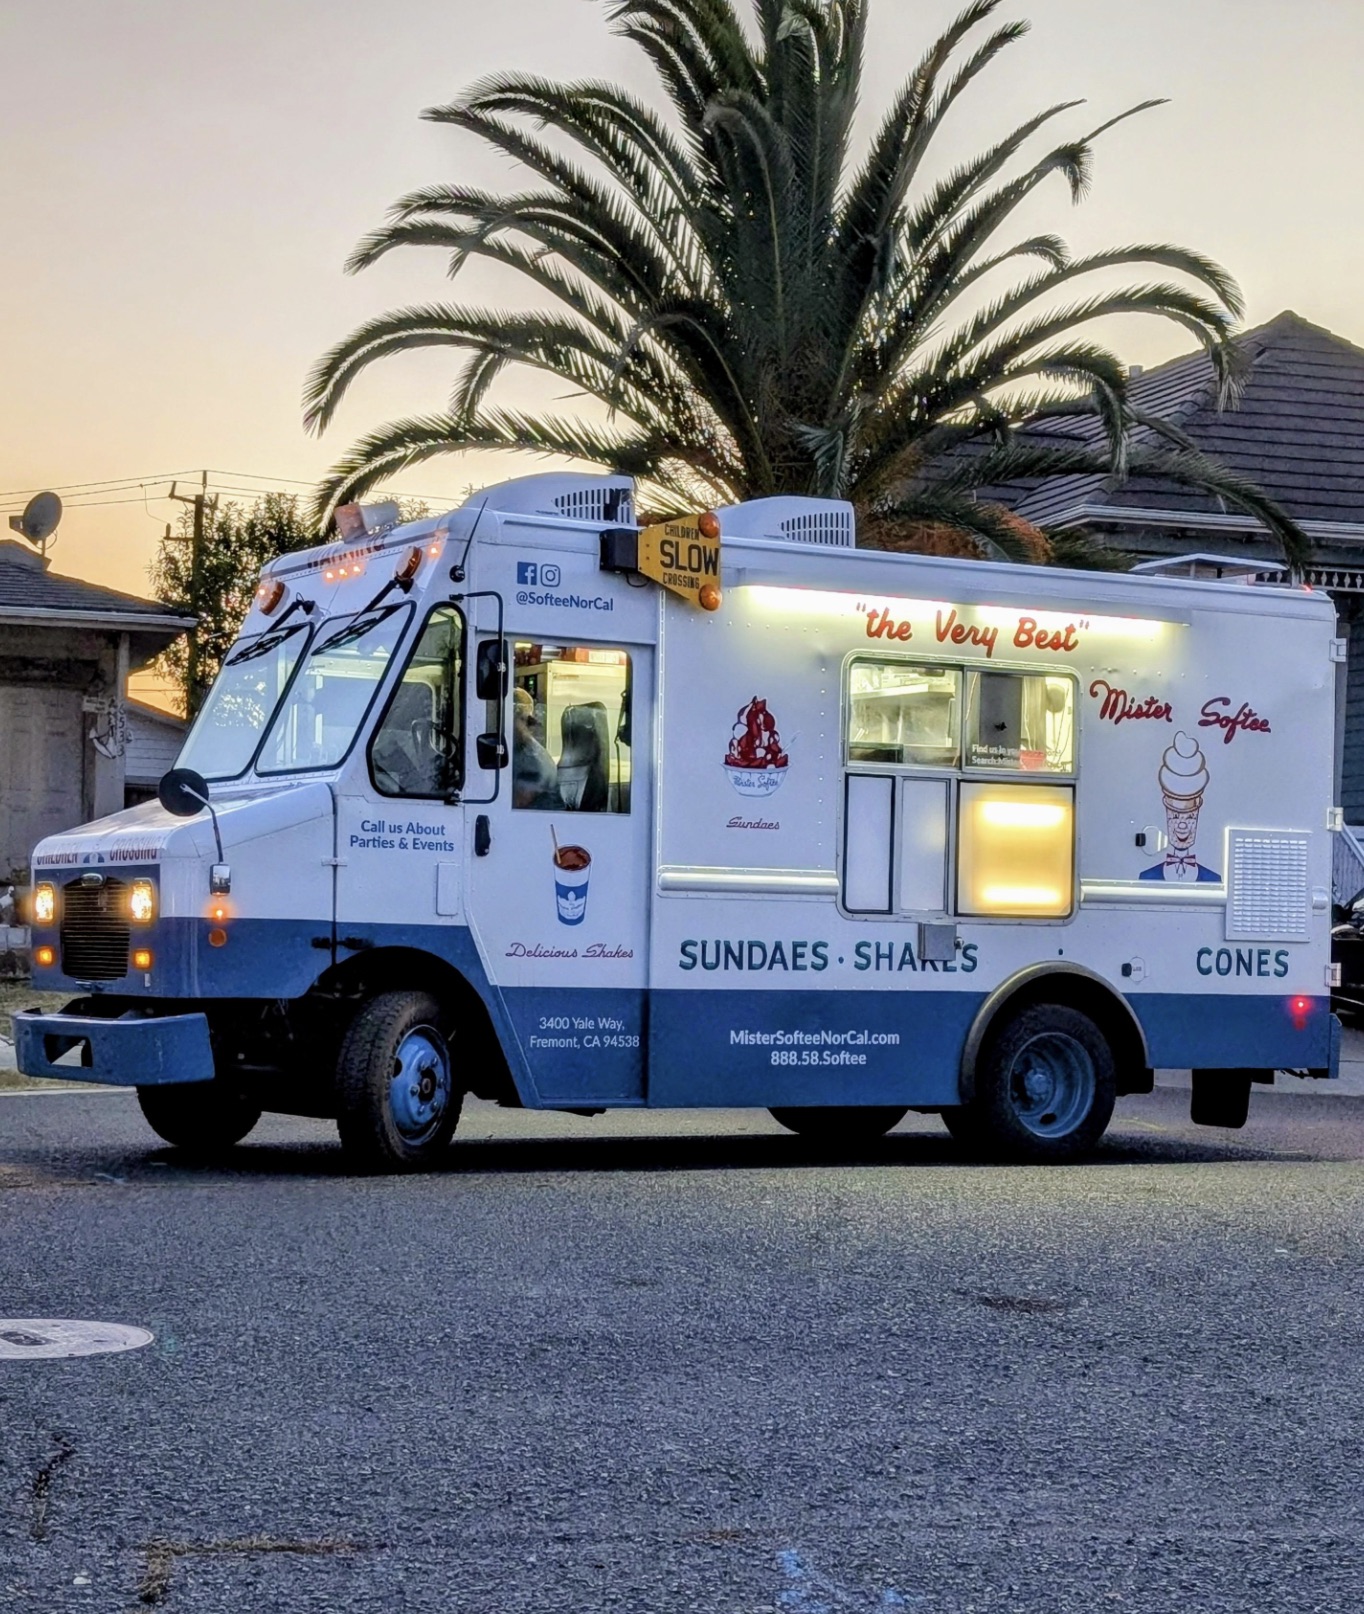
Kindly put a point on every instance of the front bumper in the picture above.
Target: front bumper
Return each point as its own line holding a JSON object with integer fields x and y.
{"x": 131, "y": 1051}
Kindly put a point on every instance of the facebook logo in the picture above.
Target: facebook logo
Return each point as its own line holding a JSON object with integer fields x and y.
{"x": 529, "y": 574}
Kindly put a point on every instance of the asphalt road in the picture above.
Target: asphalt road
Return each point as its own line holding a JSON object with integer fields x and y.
{"x": 680, "y": 1363}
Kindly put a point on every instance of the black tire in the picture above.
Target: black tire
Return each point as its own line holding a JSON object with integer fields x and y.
{"x": 382, "y": 1129}
{"x": 205, "y": 1117}
{"x": 847, "y": 1123}
{"x": 1046, "y": 1084}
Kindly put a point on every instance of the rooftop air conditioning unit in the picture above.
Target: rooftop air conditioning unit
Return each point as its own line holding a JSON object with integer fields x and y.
{"x": 819, "y": 523}
{"x": 570, "y": 496}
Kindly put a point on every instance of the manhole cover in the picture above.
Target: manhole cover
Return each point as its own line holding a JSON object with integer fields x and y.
{"x": 48, "y": 1337}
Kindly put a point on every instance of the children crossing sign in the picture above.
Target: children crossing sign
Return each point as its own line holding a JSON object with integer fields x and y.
{"x": 683, "y": 559}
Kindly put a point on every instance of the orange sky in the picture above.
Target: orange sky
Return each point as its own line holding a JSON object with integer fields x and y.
{"x": 181, "y": 183}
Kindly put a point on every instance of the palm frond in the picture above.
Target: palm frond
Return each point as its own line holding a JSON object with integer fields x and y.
{"x": 757, "y": 309}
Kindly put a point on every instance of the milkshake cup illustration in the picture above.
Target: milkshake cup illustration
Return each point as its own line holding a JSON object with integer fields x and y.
{"x": 1183, "y": 778}
{"x": 572, "y": 868}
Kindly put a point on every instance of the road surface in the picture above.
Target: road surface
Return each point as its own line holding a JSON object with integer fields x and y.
{"x": 682, "y": 1364}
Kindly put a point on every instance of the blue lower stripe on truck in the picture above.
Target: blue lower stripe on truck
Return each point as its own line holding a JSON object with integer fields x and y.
{"x": 587, "y": 1045}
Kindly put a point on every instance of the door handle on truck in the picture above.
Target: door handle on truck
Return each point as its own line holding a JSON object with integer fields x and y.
{"x": 483, "y": 835}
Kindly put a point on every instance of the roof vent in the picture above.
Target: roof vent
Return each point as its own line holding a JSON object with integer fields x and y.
{"x": 1214, "y": 568}
{"x": 614, "y": 503}
{"x": 599, "y": 500}
{"x": 819, "y": 523}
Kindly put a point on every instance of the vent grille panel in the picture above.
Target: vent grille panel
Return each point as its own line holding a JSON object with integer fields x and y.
{"x": 1268, "y": 898}
{"x": 590, "y": 504}
{"x": 94, "y": 931}
{"x": 830, "y": 529}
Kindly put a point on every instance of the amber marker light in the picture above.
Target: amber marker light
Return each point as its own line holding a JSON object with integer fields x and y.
{"x": 46, "y": 956}
{"x": 408, "y": 567}
{"x": 142, "y": 958}
{"x": 270, "y": 595}
{"x": 709, "y": 597}
{"x": 708, "y": 525}
{"x": 217, "y": 937}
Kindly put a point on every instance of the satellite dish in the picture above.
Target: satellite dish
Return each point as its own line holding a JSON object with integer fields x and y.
{"x": 183, "y": 792}
{"x": 39, "y": 520}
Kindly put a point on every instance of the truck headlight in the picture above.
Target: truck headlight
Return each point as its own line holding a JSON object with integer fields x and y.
{"x": 44, "y": 904}
{"x": 142, "y": 902}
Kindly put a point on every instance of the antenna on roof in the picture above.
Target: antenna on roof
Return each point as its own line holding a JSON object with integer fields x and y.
{"x": 39, "y": 520}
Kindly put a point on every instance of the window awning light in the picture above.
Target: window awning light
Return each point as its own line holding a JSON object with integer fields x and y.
{"x": 923, "y": 618}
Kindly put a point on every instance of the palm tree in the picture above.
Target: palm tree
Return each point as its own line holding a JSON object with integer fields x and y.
{"x": 744, "y": 310}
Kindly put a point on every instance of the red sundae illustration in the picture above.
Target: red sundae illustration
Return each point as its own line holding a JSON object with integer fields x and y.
{"x": 755, "y": 761}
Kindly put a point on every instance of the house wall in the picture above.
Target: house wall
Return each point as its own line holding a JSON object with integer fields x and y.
{"x": 52, "y": 682}
{"x": 1352, "y": 749}
{"x": 153, "y": 746}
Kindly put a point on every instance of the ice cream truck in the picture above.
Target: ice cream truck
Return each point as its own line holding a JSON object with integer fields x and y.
{"x": 533, "y": 803}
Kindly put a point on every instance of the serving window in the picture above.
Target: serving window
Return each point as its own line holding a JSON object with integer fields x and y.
{"x": 954, "y": 802}
{"x": 1020, "y": 722}
{"x": 904, "y": 712}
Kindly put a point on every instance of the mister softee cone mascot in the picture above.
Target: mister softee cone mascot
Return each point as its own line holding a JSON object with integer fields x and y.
{"x": 1183, "y": 779}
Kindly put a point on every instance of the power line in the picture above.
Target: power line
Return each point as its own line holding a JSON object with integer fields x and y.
{"x": 109, "y": 484}
{"x": 86, "y": 495}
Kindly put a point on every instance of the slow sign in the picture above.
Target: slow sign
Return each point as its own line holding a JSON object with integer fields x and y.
{"x": 677, "y": 555}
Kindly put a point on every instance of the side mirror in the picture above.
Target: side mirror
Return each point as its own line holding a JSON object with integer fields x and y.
{"x": 183, "y": 792}
{"x": 490, "y": 670}
{"x": 492, "y": 751}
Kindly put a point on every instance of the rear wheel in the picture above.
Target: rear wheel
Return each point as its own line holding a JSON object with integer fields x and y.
{"x": 1045, "y": 1088}
{"x": 849, "y": 1123}
{"x": 397, "y": 1100}
{"x": 203, "y": 1116}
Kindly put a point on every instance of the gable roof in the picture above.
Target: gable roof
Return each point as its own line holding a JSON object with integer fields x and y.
{"x": 1296, "y": 430}
{"x": 31, "y": 594}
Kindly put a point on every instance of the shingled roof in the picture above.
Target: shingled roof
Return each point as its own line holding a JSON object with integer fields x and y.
{"x": 30, "y": 592}
{"x": 1296, "y": 430}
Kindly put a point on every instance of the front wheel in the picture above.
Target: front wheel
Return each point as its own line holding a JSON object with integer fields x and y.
{"x": 1045, "y": 1088}
{"x": 202, "y": 1116}
{"x": 848, "y": 1123}
{"x": 397, "y": 1100}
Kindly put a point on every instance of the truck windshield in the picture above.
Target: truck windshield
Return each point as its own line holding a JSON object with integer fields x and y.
{"x": 327, "y": 702}
{"x": 241, "y": 702}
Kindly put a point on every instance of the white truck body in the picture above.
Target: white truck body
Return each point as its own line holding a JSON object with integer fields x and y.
{"x": 817, "y": 839}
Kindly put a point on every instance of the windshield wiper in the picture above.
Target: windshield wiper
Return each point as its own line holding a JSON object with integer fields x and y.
{"x": 358, "y": 627}
{"x": 268, "y": 641}
{"x": 265, "y": 644}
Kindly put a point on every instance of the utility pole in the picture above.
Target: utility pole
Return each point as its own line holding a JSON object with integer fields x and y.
{"x": 202, "y": 504}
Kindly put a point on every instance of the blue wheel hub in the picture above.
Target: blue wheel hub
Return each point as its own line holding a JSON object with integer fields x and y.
{"x": 1052, "y": 1084}
{"x": 419, "y": 1094}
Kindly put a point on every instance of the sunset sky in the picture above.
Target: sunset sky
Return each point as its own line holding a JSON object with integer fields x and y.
{"x": 182, "y": 182}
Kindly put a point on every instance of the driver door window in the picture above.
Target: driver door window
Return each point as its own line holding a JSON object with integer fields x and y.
{"x": 416, "y": 750}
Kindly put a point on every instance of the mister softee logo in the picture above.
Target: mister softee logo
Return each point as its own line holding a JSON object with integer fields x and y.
{"x": 755, "y": 763}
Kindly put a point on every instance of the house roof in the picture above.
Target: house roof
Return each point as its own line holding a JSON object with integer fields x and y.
{"x": 1296, "y": 430}
{"x": 32, "y": 594}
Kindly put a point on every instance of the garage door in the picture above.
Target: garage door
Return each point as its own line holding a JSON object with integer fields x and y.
{"x": 42, "y": 750}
